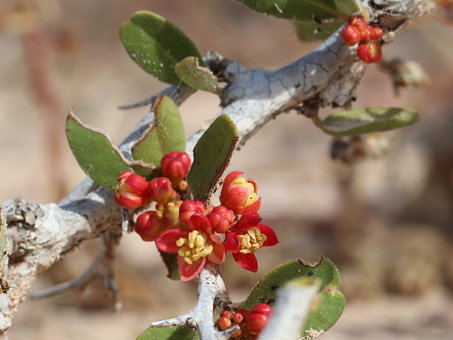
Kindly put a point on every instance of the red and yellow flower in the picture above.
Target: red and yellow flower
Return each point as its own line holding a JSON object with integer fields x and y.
{"x": 194, "y": 249}
{"x": 239, "y": 194}
{"x": 246, "y": 237}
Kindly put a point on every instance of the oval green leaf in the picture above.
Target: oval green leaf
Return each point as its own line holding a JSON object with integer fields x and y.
{"x": 212, "y": 154}
{"x": 361, "y": 121}
{"x": 166, "y": 134}
{"x": 311, "y": 31}
{"x": 197, "y": 77}
{"x": 156, "y": 45}
{"x": 302, "y": 10}
{"x": 168, "y": 333}
{"x": 331, "y": 300}
{"x": 96, "y": 154}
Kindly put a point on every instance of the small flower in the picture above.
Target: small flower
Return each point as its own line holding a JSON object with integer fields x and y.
{"x": 161, "y": 191}
{"x": 149, "y": 225}
{"x": 175, "y": 165}
{"x": 246, "y": 237}
{"x": 221, "y": 219}
{"x": 194, "y": 247}
{"x": 131, "y": 191}
{"x": 239, "y": 194}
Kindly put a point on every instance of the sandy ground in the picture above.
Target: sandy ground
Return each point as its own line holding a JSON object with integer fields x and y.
{"x": 363, "y": 217}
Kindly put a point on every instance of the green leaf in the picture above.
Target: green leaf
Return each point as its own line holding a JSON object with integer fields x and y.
{"x": 171, "y": 262}
{"x": 373, "y": 119}
{"x": 302, "y": 10}
{"x": 212, "y": 154}
{"x": 97, "y": 155}
{"x": 168, "y": 333}
{"x": 330, "y": 302}
{"x": 157, "y": 45}
{"x": 311, "y": 31}
{"x": 166, "y": 134}
{"x": 199, "y": 78}
{"x": 351, "y": 7}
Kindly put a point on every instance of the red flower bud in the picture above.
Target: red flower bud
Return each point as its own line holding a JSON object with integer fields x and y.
{"x": 365, "y": 34}
{"x": 376, "y": 33}
{"x": 239, "y": 194}
{"x": 262, "y": 308}
{"x": 258, "y": 317}
{"x": 161, "y": 191}
{"x": 132, "y": 190}
{"x": 238, "y": 317}
{"x": 224, "y": 322}
{"x": 221, "y": 219}
{"x": 175, "y": 165}
{"x": 352, "y": 21}
{"x": 350, "y": 35}
{"x": 149, "y": 225}
{"x": 369, "y": 52}
{"x": 188, "y": 208}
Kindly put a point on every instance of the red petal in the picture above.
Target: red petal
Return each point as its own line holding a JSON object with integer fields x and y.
{"x": 246, "y": 261}
{"x": 137, "y": 183}
{"x": 232, "y": 242}
{"x": 199, "y": 222}
{"x": 252, "y": 207}
{"x": 272, "y": 238}
{"x": 167, "y": 241}
{"x": 189, "y": 271}
{"x": 227, "y": 182}
{"x": 218, "y": 253}
{"x": 248, "y": 220}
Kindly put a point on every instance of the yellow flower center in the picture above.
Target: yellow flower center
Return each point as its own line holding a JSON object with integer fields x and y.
{"x": 252, "y": 241}
{"x": 193, "y": 247}
{"x": 253, "y": 197}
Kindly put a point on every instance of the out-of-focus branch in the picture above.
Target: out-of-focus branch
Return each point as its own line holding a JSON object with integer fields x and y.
{"x": 41, "y": 234}
{"x": 291, "y": 309}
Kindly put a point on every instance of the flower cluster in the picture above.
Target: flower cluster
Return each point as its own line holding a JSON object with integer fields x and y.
{"x": 191, "y": 229}
{"x": 358, "y": 31}
{"x": 251, "y": 322}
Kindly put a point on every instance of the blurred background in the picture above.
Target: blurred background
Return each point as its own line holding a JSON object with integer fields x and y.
{"x": 385, "y": 220}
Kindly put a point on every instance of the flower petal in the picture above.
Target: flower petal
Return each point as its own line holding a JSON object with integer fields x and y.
{"x": 232, "y": 242}
{"x": 247, "y": 220}
{"x": 246, "y": 261}
{"x": 218, "y": 252}
{"x": 272, "y": 238}
{"x": 252, "y": 207}
{"x": 167, "y": 241}
{"x": 199, "y": 222}
{"x": 188, "y": 271}
{"x": 227, "y": 182}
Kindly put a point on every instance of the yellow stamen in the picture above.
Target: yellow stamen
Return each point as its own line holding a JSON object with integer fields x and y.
{"x": 193, "y": 247}
{"x": 252, "y": 241}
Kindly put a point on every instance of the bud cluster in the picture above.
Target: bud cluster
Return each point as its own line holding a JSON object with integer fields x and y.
{"x": 190, "y": 228}
{"x": 251, "y": 322}
{"x": 358, "y": 31}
